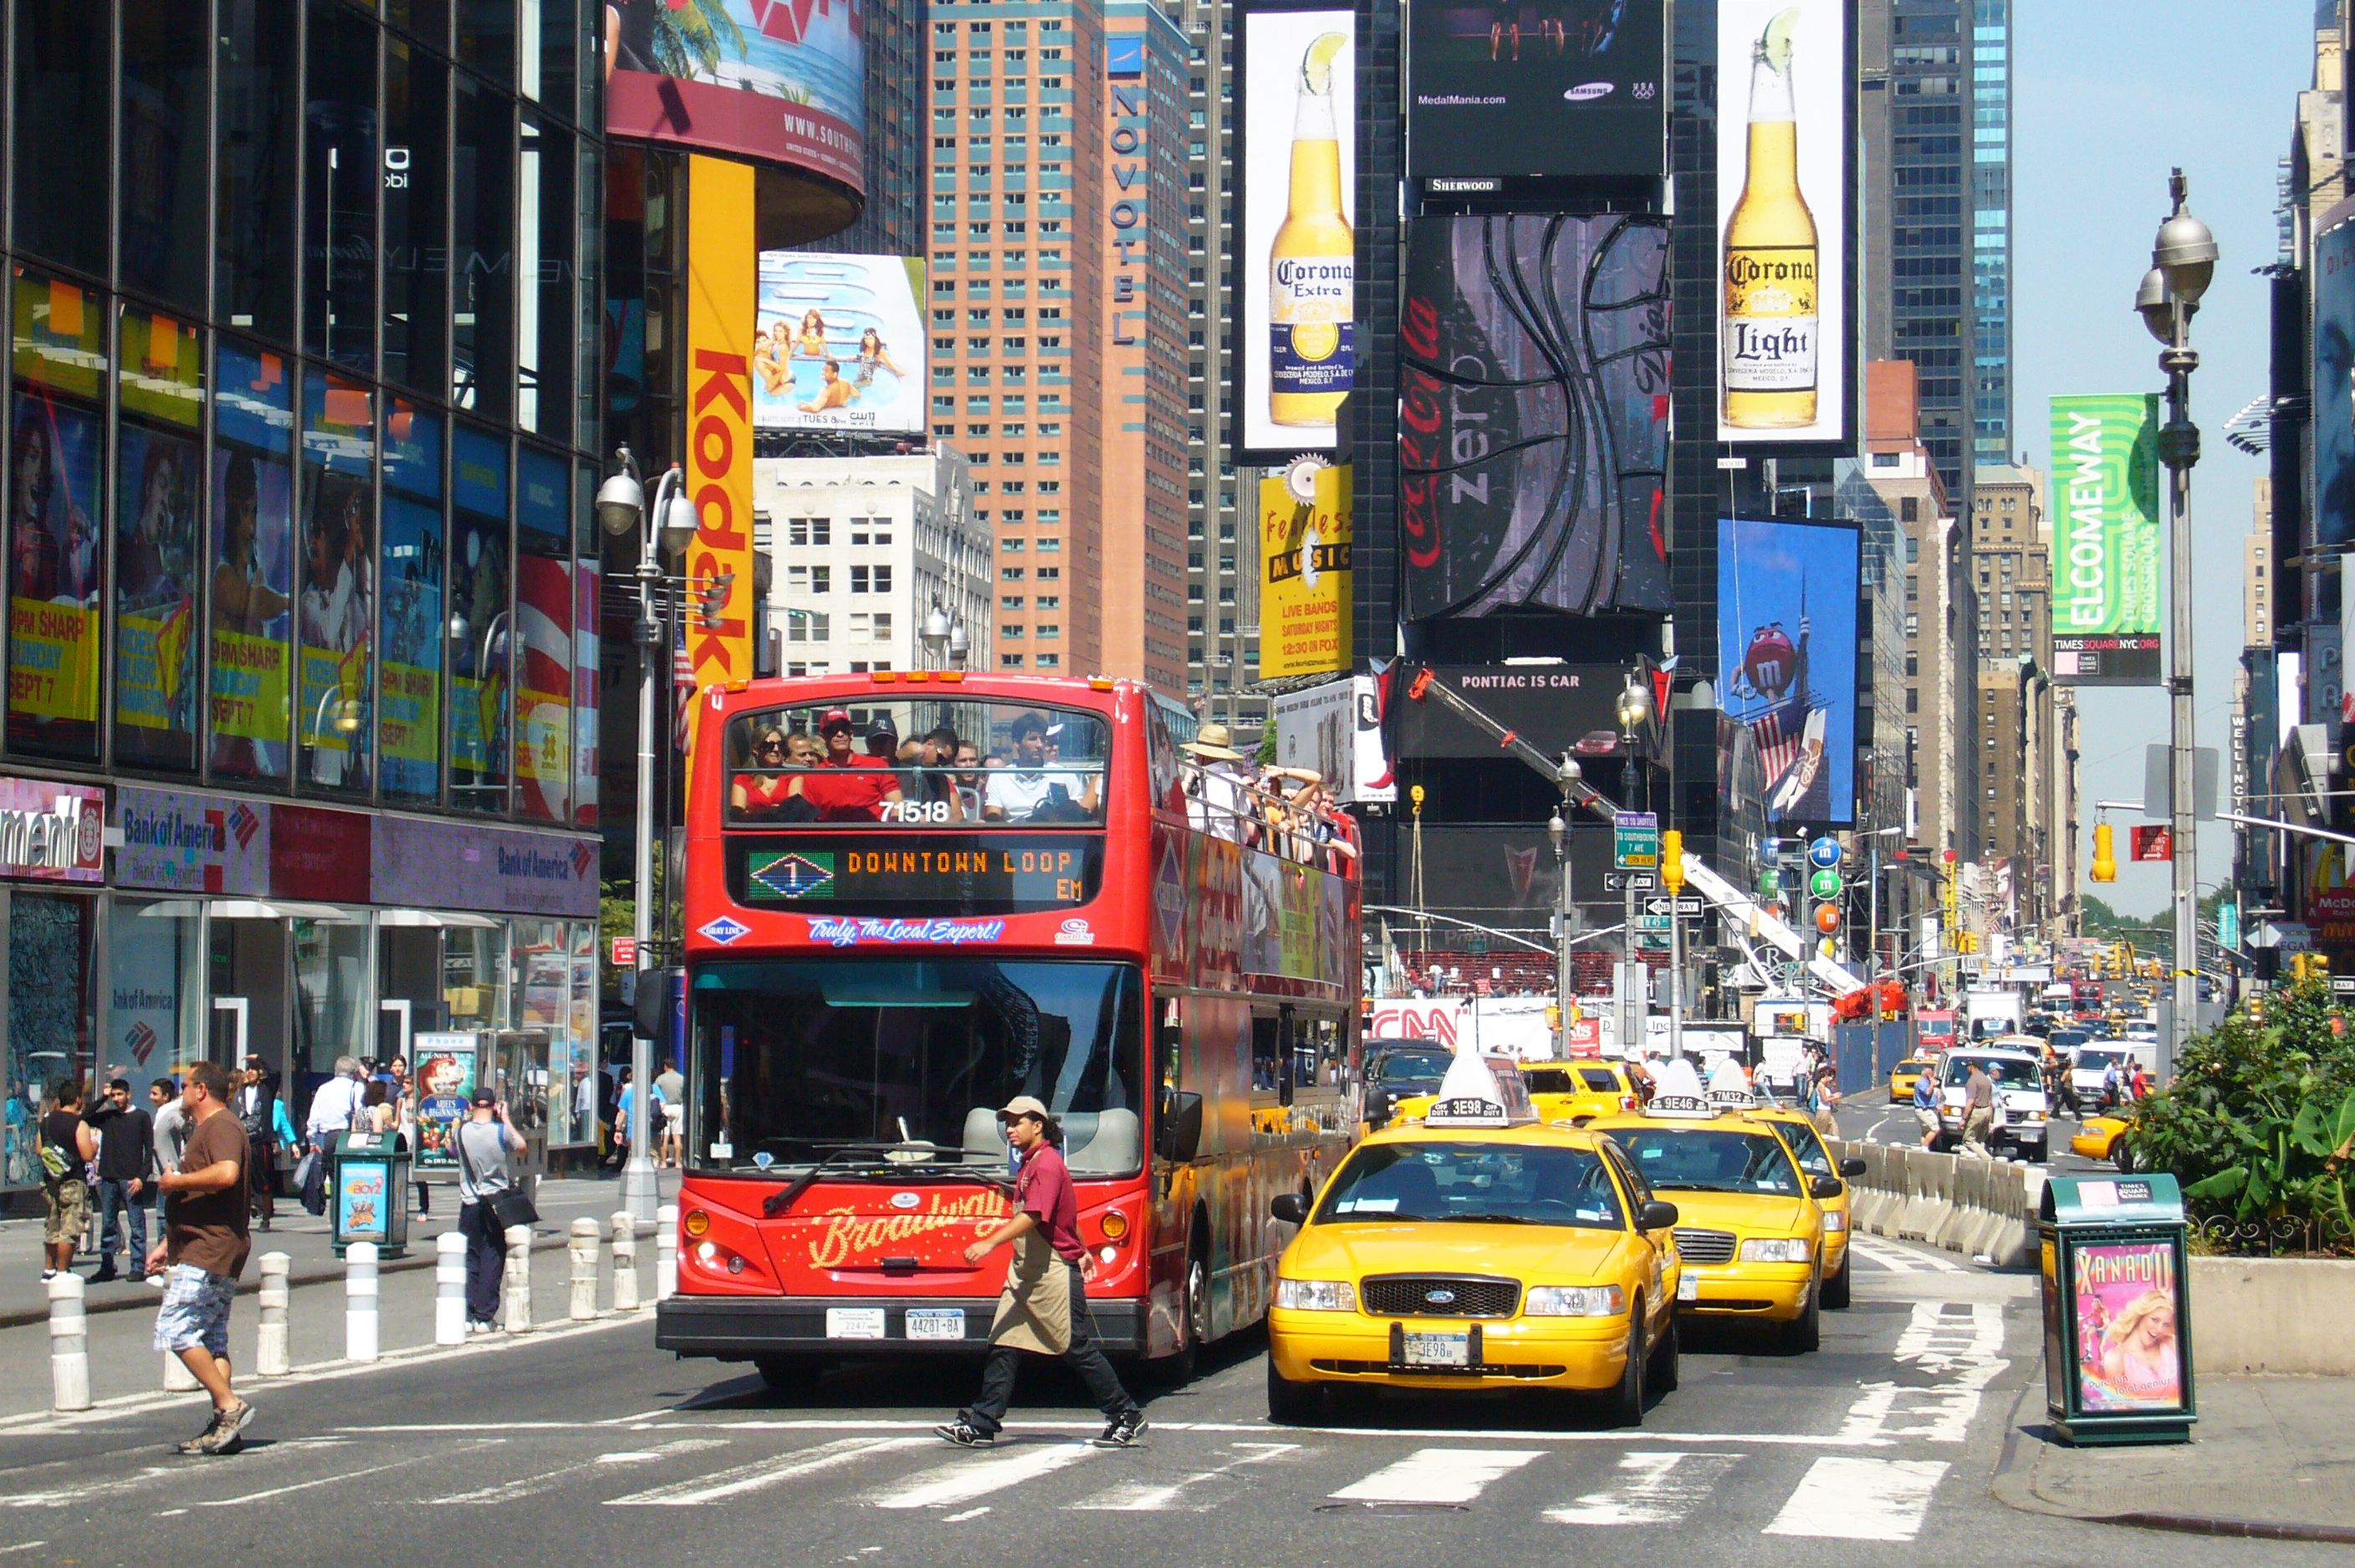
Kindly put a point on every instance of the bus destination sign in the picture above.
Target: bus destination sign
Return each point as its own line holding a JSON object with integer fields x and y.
{"x": 932, "y": 873}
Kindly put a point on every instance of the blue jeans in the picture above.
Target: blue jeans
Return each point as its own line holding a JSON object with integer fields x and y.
{"x": 114, "y": 1201}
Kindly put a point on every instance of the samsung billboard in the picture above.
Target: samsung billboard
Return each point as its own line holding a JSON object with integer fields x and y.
{"x": 1514, "y": 92}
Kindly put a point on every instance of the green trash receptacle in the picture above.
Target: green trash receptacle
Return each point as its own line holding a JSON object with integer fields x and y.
{"x": 371, "y": 1192}
{"x": 2117, "y": 1309}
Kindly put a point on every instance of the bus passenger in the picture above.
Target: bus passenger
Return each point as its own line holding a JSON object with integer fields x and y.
{"x": 756, "y": 793}
{"x": 1220, "y": 788}
{"x": 844, "y": 786}
{"x": 1029, "y": 791}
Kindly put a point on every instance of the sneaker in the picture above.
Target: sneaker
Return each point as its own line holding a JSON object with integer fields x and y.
{"x": 227, "y": 1424}
{"x": 48, "y": 1274}
{"x": 196, "y": 1445}
{"x": 966, "y": 1435}
{"x": 1122, "y": 1430}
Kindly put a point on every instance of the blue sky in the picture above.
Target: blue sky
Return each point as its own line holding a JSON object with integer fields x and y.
{"x": 2108, "y": 95}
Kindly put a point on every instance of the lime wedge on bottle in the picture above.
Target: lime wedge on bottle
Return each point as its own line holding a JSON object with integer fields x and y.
{"x": 1316, "y": 65}
{"x": 1774, "y": 43}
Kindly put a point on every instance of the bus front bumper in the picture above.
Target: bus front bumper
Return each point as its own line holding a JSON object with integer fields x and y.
{"x": 738, "y": 1329}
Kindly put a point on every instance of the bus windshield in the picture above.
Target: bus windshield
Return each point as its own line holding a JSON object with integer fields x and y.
{"x": 795, "y": 1058}
{"x": 917, "y": 760}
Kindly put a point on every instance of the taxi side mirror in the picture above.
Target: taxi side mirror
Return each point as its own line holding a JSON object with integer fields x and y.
{"x": 1178, "y": 1135}
{"x": 1656, "y": 1216}
{"x": 1852, "y": 1168}
{"x": 1289, "y": 1207}
{"x": 1378, "y": 1103}
{"x": 1826, "y": 1187}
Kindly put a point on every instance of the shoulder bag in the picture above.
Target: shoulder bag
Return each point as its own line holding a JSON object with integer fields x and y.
{"x": 510, "y": 1205}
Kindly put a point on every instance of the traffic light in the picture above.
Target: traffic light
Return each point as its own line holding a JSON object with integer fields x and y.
{"x": 1672, "y": 862}
{"x": 2106, "y": 860}
{"x": 711, "y": 601}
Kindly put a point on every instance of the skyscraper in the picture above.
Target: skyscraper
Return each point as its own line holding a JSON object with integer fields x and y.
{"x": 893, "y": 221}
{"x": 1991, "y": 231}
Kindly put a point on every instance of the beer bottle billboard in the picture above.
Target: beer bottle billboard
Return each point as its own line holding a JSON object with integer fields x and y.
{"x": 1768, "y": 356}
{"x": 1312, "y": 264}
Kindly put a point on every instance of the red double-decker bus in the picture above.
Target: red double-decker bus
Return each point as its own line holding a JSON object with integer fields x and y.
{"x": 911, "y": 898}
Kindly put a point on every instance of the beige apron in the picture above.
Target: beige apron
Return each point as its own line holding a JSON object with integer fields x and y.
{"x": 1034, "y": 1312}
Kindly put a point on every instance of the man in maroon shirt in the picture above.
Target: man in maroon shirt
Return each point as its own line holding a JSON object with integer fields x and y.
{"x": 1045, "y": 1307}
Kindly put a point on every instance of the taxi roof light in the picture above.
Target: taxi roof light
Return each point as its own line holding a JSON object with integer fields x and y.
{"x": 1481, "y": 1091}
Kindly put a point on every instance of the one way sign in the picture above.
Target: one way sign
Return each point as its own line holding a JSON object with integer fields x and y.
{"x": 1672, "y": 906}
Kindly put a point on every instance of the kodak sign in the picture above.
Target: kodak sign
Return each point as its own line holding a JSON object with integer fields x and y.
{"x": 721, "y": 267}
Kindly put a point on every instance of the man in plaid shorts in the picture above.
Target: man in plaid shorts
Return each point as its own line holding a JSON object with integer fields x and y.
{"x": 206, "y": 1244}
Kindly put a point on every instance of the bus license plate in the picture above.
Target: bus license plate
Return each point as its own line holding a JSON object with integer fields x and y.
{"x": 1438, "y": 1350}
{"x": 854, "y": 1323}
{"x": 1688, "y": 1287}
{"x": 936, "y": 1323}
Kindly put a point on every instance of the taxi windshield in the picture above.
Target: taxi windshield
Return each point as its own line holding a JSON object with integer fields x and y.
{"x": 1813, "y": 1157}
{"x": 1697, "y": 1160}
{"x": 1476, "y": 1183}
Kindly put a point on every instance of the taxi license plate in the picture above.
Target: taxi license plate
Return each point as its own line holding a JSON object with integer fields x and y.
{"x": 936, "y": 1323}
{"x": 1688, "y": 1287}
{"x": 1437, "y": 1351}
{"x": 854, "y": 1323}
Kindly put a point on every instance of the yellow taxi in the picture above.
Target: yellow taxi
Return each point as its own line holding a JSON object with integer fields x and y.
{"x": 1905, "y": 1074}
{"x": 1750, "y": 1232}
{"x": 2099, "y": 1137}
{"x": 1476, "y": 1249}
{"x": 1562, "y": 1092}
{"x": 1806, "y": 1146}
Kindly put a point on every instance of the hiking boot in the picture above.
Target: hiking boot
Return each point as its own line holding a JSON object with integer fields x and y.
{"x": 966, "y": 1435}
{"x": 1122, "y": 1430}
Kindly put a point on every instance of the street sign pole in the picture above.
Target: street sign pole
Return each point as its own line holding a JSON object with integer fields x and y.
{"x": 1676, "y": 986}
{"x": 1631, "y": 1018}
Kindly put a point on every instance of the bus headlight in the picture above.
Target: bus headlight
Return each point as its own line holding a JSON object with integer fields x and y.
{"x": 1317, "y": 1295}
{"x": 1115, "y": 1225}
{"x": 1575, "y": 1301}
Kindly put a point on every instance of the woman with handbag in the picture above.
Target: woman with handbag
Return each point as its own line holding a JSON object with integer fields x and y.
{"x": 488, "y": 1202}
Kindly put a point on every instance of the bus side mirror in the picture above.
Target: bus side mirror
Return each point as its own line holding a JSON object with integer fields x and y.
{"x": 1290, "y": 1208}
{"x": 1178, "y": 1137}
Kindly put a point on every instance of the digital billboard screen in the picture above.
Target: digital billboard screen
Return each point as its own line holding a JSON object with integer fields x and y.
{"x": 2107, "y": 555}
{"x": 1786, "y": 596}
{"x": 1533, "y": 430}
{"x": 778, "y": 82}
{"x": 1297, "y": 254}
{"x": 1512, "y": 90}
{"x": 1783, "y": 69}
{"x": 2334, "y": 385}
{"x": 839, "y": 344}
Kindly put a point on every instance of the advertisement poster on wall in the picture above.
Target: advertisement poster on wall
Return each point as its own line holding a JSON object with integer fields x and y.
{"x": 1784, "y": 71}
{"x": 334, "y": 609}
{"x": 2107, "y": 546}
{"x": 1304, "y": 550}
{"x": 1533, "y": 433}
{"x": 721, "y": 302}
{"x": 445, "y": 1082}
{"x": 1516, "y": 91}
{"x": 543, "y": 709}
{"x": 2334, "y": 380}
{"x": 2128, "y": 1354}
{"x": 839, "y": 344}
{"x": 158, "y": 474}
{"x": 253, "y": 564}
{"x": 779, "y": 82}
{"x": 1787, "y": 660}
{"x": 409, "y": 723}
{"x": 1297, "y": 255}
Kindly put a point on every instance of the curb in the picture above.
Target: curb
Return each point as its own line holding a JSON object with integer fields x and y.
{"x": 2012, "y": 1486}
{"x": 417, "y": 1258}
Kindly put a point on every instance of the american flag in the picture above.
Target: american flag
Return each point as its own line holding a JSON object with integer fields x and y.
{"x": 1778, "y": 731}
{"x": 682, "y": 680}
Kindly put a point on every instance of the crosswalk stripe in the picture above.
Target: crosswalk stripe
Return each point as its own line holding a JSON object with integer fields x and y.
{"x": 1654, "y": 1489}
{"x": 1436, "y": 1476}
{"x": 1901, "y": 1259}
{"x": 1187, "y": 1494}
{"x": 963, "y": 1480}
{"x": 770, "y": 1472}
{"x": 549, "y": 1480}
{"x": 1846, "y": 1498}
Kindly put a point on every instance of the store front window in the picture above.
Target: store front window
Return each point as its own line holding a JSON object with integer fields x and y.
{"x": 473, "y": 976}
{"x": 51, "y": 1021}
{"x": 155, "y": 989}
{"x": 332, "y": 1005}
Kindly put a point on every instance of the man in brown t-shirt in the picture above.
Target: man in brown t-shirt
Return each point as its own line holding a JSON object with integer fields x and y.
{"x": 205, "y": 1241}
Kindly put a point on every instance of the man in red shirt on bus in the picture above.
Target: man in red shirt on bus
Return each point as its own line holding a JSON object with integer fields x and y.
{"x": 856, "y": 794}
{"x": 1045, "y": 1307}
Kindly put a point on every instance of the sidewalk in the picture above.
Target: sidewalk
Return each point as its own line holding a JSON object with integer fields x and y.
{"x": 2271, "y": 1458}
{"x": 24, "y": 1299}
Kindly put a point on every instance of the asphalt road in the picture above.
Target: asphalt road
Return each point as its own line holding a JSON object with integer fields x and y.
{"x": 588, "y": 1446}
{"x": 1869, "y": 1117}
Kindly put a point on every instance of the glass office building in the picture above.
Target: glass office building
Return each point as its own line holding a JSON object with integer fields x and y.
{"x": 299, "y": 750}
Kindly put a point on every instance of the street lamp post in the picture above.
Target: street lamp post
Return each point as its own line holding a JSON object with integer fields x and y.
{"x": 1567, "y": 773}
{"x": 1635, "y": 713}
{"x": 2183, "y": 259}
{"x": 621, "y": 510}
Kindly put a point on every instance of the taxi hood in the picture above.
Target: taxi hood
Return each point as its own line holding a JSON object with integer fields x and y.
{"x": 1353, "y": 1249}
{"x": 1750, "y": 1213}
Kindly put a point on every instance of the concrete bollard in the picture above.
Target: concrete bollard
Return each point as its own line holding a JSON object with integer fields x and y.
{"x": 584, "y": 1248}
{"x": 449, "y": 1288}
{"x": 68, "y": 1344}
{"x": 272, "y": 1354}
{"x": 666, "y": 1252}
{"x": 360, "y": 1327}
{"x": 518, "y": 1312}
{"x": 625, "y": 1261}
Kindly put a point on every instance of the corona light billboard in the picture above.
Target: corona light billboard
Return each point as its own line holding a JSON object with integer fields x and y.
{"x": 1305, "y": 554}
{"x": 718, "y": 469}
{"x": 2106, "y": 558}
{"x": 1296, "y": 260}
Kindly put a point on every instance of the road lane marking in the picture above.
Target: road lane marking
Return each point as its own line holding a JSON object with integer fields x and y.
{"x": 548, "y": 1480}
{"x": 1846, "y": 1499}
{"x": 1187, "y": 1494}
{"x": 761, "y": 1474}
{"x": 963, "y": 1480}
{"x": 1903, "y": 1258}
{"x": 441, "y": 1456}
{"x": 1436, "y": 1476}
{"x": 1964, "y": 1352}
{"x": 1657, "y": 1489}
{"x": 1091, "y": 1425}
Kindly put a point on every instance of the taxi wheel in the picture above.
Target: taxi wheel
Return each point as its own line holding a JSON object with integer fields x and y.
{"x": 1627, "y": 1400}
{"x": 1836, "y": 1289}
{"x": 1290, "y": 1404}
{"x": 1664, "y": 1372}
{"x": 1805, "y": 1332}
